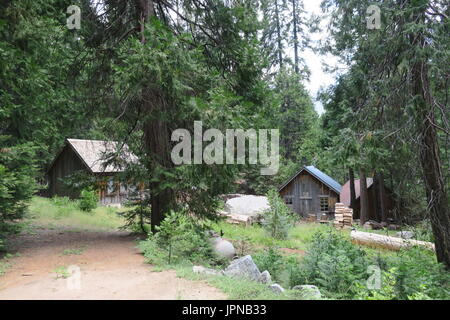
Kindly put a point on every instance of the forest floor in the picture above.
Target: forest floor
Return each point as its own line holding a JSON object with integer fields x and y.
{"x": 110, "y": 268}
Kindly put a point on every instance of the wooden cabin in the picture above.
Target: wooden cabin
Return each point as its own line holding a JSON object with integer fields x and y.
{"x": 310, "y": 191}
{"x": 97, "y": 158}
{"x": 373, "y": 203}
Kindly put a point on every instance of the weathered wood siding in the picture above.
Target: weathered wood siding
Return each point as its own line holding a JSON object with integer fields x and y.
{"x": 66, "y": 164}
{"x": 306, "y": 192}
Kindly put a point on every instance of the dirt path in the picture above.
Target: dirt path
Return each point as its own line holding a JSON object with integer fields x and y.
{"x": 110, "y": 268}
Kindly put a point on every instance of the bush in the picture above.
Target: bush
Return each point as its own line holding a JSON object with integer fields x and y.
{"x": 333, "y": 264}
{"x": 17, "y": 182}
{"x": 278, "y": 220}
{"x": 270, "y": 260}
{"x": 179, "y": 239}
{"x": 417, "y": 274}
{"x": 88, "y": 200}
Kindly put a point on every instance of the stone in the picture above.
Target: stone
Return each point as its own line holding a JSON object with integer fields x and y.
{"x": 265, "y": 277}
{"x": 276, "y": 288}
{"x": 243, "y": 268}
{"x": 207, "y": 271}
{"x": 393, "y": 227}
{"x": 223, "y": 248}
{"x": 405, "y": 234}
{"x": 372, "y": 225}
{"x": 308, "y": 292}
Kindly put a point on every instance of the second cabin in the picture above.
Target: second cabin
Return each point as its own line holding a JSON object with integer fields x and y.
{"x": 311, "y": 192}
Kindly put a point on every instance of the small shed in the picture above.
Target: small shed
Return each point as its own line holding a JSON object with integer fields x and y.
{"x": 103, "y": 160}
{"x": 310, "y": 191}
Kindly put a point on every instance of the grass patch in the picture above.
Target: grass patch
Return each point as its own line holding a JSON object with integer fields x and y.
{"x": 77, "y": 251}
{"x": 298, "y": 238}
{"x": 64, "y": 212}
{"x": 62, "y": 272}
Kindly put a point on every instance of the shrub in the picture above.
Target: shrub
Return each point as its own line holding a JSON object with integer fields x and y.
{"x": 418, "y": 274}
{"x": 270, "y": 260}
{"x": 278, "y": 220}
{"x": 179, "y": 238}
{"x": 88, "y": 200}
{"x": 332, "y": 263}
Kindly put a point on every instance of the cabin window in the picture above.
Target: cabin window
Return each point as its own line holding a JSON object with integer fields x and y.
{"x": 288, "y": 200}
{"x": 324, "y": 204}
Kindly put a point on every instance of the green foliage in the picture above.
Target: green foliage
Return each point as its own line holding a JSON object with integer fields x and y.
{"x": 332, "y": 263}
{"x": 179, "y": 238}
{"x": 17, "y": 184}
{"x": 138, "y": 217}
{"x": 270, "y": 260}
{"x": 88, "y": 200}
{"x": 278, "y": 220}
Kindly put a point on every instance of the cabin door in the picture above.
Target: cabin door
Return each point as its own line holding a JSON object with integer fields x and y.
{"x": 305, "y": 207}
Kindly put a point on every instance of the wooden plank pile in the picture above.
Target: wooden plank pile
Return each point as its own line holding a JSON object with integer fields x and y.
{"x": 343, "y": 217}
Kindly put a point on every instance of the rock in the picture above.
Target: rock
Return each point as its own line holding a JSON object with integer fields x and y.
{"x": 276, "y": 288}
{"x": 265, "y": 277}
{"x": 207, "y": 271}
{"x": 405, "y": 234}
{"x": 308, "y": 292}
{"x": 223, "y": 248}
{"x": 384, "y": 224}
{"x": 393, "y": 227}
{"x": 372, "y": 225}
{"x": 248, "y": 205}
{"x": 243, "y": 268}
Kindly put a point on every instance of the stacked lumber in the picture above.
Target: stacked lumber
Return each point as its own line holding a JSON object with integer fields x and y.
{"x": 343, "y": 217}
{"x": 380, "y": 241}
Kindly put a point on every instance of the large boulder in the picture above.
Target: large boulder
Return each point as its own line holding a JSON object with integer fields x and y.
{"x": 247, "y": 205}
{"x": 223, "y": 248}
{"x": 308, "y": 292}
{"x": 243, "y": 268}
{"x": 265, "y": 277}
{"x": 276, "y": 288}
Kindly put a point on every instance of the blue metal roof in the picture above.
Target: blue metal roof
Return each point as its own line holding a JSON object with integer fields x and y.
{"x": 326, "y": 179}
{"x": 333, "y": 184}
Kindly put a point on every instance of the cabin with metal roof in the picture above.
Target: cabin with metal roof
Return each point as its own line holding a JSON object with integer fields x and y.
{"x": 311, "y": 192}
{"x": 104, "y": 160}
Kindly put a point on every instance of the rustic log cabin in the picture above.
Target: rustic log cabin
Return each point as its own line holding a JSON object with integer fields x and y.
{"x": 311, "y": 192}
{"x": 101, "y": 159}
{"x": 373, "y": 200}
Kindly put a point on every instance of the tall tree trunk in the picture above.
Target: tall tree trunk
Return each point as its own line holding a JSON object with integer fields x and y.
{"x": 156, "y": 132}
{"x": 382, "y": 197}
{"x": 294, "y": 16}
{"x": 364, "y": 198}
{"x": 351, "y": 173}
{"x": 438, "y": 204}
{"x": 280, "y": 48}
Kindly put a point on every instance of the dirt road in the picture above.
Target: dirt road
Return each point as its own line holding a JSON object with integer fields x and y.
{"x": 110, "y": 267}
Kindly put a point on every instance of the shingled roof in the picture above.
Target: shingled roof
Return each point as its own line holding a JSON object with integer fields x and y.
{"x": 102, "y": 156}
{"x": 324, "y": 178}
